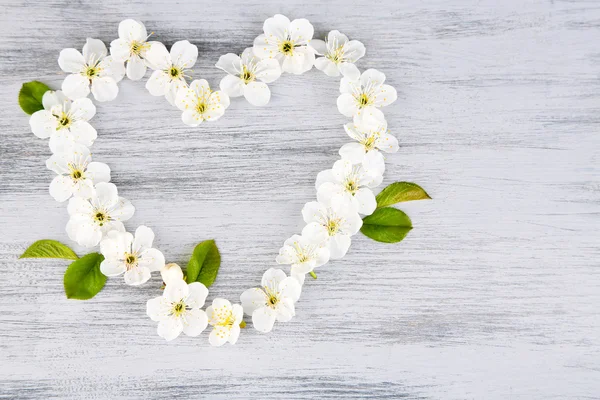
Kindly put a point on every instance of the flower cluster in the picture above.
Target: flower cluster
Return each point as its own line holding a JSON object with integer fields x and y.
{"x": 97, "y": 212}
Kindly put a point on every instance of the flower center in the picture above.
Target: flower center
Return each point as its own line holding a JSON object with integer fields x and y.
{"x": 91, "y": 72}
{"x": 369, "y": 143}
{"x": 64, "y": 121}
{"x": 332, "y": 227}
{"x": 101, "y": 217}
{"x": 200, "y": 108}
{"x": 273, "y": 300}
{"x": 227, "y": 322}
{"x": 178, "y": 308}
{"x": 287, "y": 47}
{"x": 174, "y": 72}
{"x": 137, "y": 47}
{"x": 76, "y": 174}
{"x": 351, "y": 187}
{"x": 130, "y": 260}
{"x": 336, "y": 56}
{"x": 363, "y": 100}
{"x": 246, "y": 75}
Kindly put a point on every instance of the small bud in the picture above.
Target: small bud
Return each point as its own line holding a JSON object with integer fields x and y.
{"x": 171, "y": 272}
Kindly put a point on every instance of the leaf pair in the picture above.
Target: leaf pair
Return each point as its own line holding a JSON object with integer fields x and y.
{"x": 387, "y": 224}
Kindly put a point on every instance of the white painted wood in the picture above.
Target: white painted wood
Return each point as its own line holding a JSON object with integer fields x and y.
{"x": 493, "y": 295}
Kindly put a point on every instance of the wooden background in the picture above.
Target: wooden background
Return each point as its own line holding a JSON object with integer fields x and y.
{"x": 494, "y": 295}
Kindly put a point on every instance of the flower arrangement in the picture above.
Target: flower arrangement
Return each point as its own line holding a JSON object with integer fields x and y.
{"x": 345, "y": 202}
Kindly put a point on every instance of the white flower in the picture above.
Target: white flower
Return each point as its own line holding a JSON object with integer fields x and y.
{"x": 225, "y": 318}
{"x": 64, "y": 121}
{"x": 274, "y": 301}
{"x": 371, "y": 137}
{"x": 94, "y": 69}
{"x": 199, "y": 103}
{"x": 333, "y": 224}
{"x": 134, "y": 256}
{"x": 287, "y": 42}
{"x": 245, "y": 72}
{"x": 91, "y": 219}
{"x": 303, "y": 254}
{"x": 178, "y": 309}
{"x": 352, "y": 182}
{"x": 77, "y": 174}
{"x": 171, "y": 272}
{"x": 340, "y": 55}
{"x": 131, "y": 46}
{"x": 362, "y": 98}
{"x": 171, "y": 68}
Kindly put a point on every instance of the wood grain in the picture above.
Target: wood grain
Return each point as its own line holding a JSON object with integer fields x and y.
{"x": 493, "y": 295}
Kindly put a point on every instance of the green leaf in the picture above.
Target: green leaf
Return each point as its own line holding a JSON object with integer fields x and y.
{"x": 204, "y": 264}
{"x": 49, "y": 249}
{"x": 400, "y": 191}
{"x": 30, "y": 96}
{"x": 83, "y": 279}
{"x": 387, "y": 225}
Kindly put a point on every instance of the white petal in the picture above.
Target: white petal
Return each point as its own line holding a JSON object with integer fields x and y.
{"x": 194, "y": 322}
{"x": 98, "y": 172}
{"x": 152, "y": 259}
{"x": 252, "y": 299}
{"x": 365, "y": 201}
{"x": 82, "y": 132}
{"x": 287, "y": 255}
{"x": 53, "y": 98}
{"x": 137, "y": 276}
{"x": 158, "y": 57}
{"x": 176, "y": 291}
{"x": 111, "y": 68}
{"x": 232, "y": 85}
{"x": 285, "y": 309}
{"x": 326, "y": 65}
{"x": 386, "y": 95}
{"x": 368, "y": 114}
{"x": 123, "y": 210}
{"x": 218, "y": 336}
{"x": 234, "y": 334}
{"x": 112, "y": 268}
{"x": 76, "y": 86}
{"x": 301, "y": 31}
{"x": 107, "y": 194}
{"x": 257, "y": 93}
{"x": 372, "y": 77}
{"x": 120, "y": 50}
{"x": 191, "y": 118}
{"x": 171, "y": 272}
{"x": 186, "y": 98}
{"x": 43, "y": 123}
{"x": 338, "y": 246}
{"x": 328, "y": 190}
{"x": 324, "y": 176}
{"x": 61, "y": 188}
{"x": 131, "y": 30}
{"x": 336, "y": 39}
{"x": 230, "y": 63}
{"x": 290, "y": 288}
{"x": 353, "y": 152}
{"x": 322, "y": 257}
{"x": 348, "y": 85}
{"x": 93, "y": 50}
{"x": 268, "y": 70}
{"x": 264, "y": 49}
{"x": 197, "y": 295}
{"x": 341, "y": 169}
{"x": 83, "y": 109}
{"x": 276, "y": 26}
{"x": 136, "y": 68}
{"x": 387, "y": 143}
{"x": 347, "y": 104}
{"x": 353, "y": 50}
{"x": 82, "y": 230}
{"x": 319, "y": 46}
{"x": 349, "y": 71}
{"x": 114, "y": 245}
{"x": 158, "y": 308}
{"x": 313, "y": 212}
{"x": 184, "y": 54}
{"x": 272, "y": 277}
{"x": 263, "y": 319}
{"x": 104, "y": 88}
{"x": 143, "y": 238}
{"x": 79, "y": 206}
{"x": 83, "y": 188}
{"x": 170, "y": 328}
{"x": 71, "y": 60}
{"x": 315, "y": 232}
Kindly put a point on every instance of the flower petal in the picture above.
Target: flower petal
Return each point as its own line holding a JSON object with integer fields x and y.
{"x": 131, "y": 30}
{"x": 76, "y": 86}
{"x": 347, "y": 104}
{"x": 218, "y": 336}
{"x": 194, "y": 322}
{"x": 61, "y": 188}
{"x": 137, "y": 276}
{"x": 158, "y": 308}
{"x": 276, "y": 26}
{"x": 143, "y": 238}
{"x": 386, "y": 95}
{"x": 301, "y": 31}
{"x": 353, "y": 50}
{"x": 112, "y": 68}
{"x": 98, "y": 172}
{"x": 136, "y": 68}
{"x": 313, "y": 211}
{"x": 112, "y": 267}
{"x": 328, "y": 190}
{"x": 372, "y": 77}
{"x": 365, "y": 201}
{"x": 315, "y": 232}
{"x": 257, "y": 93}
{"x": 252, "y": 299}
{"x": 94, "y": 50}
{"x": 290, "y": 288}
{"x": 184, "y": 54}
{"x": 54, "y": 98}
{"x": 263, "y": 48}
{"x": 387, "y": 143}
{"x": 175, "y": 291}
{"x": 230, "y": 63}
{"x": 107, "y": 194}
{"x": 71, "y": 60}
{"x": 353, "y": 152}
{"x": 197, "y": 295}
{"x": 268, "y": 70}
{"x": 272, "y": 277}
{"x": 191, "y": 118}
{"x": 263, "y": 319}
{"x": 349, "y": 71}
{"x": 171, "y": 272}
{"x": 318, "y": 46}
{"x": 120, "y": 49}
{"x": 324, "y": 176}
{"x": 83, "y": 188}
{"x": 104, "y": 88}
{"x": 234, "y": 334}
{"x": 152, "y": 259}
{"x": 123, "y": 210}
{"x": 338, "y": 246}
{"x": 326, "y": 65}
{"x": 158, "y": 58}
{"x": 43, "y": 123}
{"x": 232, "y": 85}
{"x": 170, "y": 328}
{"x": 83, "y": 109}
